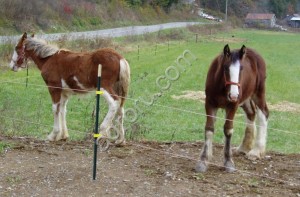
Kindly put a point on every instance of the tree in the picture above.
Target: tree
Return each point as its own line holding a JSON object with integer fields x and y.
{"x": 135, "y": 3}
{"x": 278, "y": 7}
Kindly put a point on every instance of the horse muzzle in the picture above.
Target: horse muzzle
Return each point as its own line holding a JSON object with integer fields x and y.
{"x": 233, "y": 98}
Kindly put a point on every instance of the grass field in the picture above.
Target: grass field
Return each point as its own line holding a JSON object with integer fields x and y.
{"x": 26, "y": 111}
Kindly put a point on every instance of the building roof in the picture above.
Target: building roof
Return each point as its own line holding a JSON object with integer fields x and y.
{"x": 295, "y": 19}
{"x": 256, "y": 16}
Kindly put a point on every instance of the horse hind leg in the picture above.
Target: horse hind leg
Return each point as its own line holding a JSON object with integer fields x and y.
{"x": 120, "y": 127}
{"x": 249, "y": 108}
{"x": 113, "y": 106}
{"x": 259, "y": 148}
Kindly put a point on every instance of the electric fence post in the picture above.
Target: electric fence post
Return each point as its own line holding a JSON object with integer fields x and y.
{"x": 96, "y": 131}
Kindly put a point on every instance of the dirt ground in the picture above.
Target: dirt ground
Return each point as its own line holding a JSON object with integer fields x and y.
{"x": 36, "y": 168}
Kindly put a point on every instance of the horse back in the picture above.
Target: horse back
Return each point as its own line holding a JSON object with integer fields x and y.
{"x": 67, "y": 65}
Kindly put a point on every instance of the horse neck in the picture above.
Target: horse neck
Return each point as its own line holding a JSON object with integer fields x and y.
{"x": 219, "y": 72}
{"x": 36, "y": 59}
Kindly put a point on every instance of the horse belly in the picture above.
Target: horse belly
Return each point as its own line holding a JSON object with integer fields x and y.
{"x": 74, "y": 85}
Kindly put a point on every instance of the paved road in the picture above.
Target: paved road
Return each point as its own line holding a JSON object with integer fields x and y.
{"x": 116, "y": 32}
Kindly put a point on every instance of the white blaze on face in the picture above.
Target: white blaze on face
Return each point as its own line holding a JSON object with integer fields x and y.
{"x": 13, "y": 60}
{"x": 234, "y": 72}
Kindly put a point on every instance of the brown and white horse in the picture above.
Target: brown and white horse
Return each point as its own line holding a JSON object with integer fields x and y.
{"x": 236, "y": 78}
{"x": 66, "y": 73}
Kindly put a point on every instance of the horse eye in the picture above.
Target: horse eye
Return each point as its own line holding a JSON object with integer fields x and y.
{"x": 241, "y": 68}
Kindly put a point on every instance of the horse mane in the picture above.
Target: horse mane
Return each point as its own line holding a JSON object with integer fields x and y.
{"x": 40, "y": 47}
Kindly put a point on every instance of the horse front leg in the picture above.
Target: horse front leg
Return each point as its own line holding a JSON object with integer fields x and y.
{"x": 57, "y": 126}
{"x": 64, "y": 134}
{"x": 55, "y": 92}
{"x": 259, "y": 148}
{"x": 228, "y": 131}
{"x": 206, "y": 152}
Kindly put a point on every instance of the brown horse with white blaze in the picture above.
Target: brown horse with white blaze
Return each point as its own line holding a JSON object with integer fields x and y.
{"x": 236, "y": 78}
{"x": 66, "y": 73}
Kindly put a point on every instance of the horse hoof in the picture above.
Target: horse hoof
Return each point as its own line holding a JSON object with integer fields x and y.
{"x": 65, "y": 138}
{"x": 103, "y": 144}
{"x": 229, "y": 167}
{"x": 58, "y": 138}
{"x": 238, "y": 151}
{"x": 254, "y": 155}
{"x": 120, "y": 143}
{"x": 50, "y": 138}
{"x": 201, "y": 167}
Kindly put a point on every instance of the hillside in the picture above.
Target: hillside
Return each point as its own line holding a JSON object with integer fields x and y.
{"x": 51, "y": 16}
{"x": 76, "y": 15}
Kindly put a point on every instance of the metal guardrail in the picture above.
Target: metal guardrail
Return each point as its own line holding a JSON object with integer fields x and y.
{"x": 112, "y": 33}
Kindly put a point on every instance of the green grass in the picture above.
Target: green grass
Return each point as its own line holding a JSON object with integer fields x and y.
{"x": 27, "y": 111}
{"x": 4, "y": 146}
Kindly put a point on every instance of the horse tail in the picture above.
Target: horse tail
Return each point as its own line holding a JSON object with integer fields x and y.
{"x": 124, "y": 80}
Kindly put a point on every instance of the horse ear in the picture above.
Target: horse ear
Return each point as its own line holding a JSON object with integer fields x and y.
{"x": 242, "y": 51}
{"x": 24, "y": 35}
{"x": 32, "y": 35}
{"x": 226, "y": 50}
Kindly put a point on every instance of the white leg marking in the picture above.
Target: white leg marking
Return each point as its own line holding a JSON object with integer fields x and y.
{"x": 206, "y": 152}
{"x": 260, "y": 142}
{"x": 63, "y": 112}
{"x": 120, "y": 122}
{"x": 249, "y": 136}
{"x": 208, "y": 143}
{"x": 230, "y": 131}
{"x": 56, "y": 127}
{"x": 112, "y": 110}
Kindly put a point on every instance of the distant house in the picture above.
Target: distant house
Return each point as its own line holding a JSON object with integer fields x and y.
{"x": 187, "y": 1}
{"x": 293, "y": 20}
{"x": 260, "y": 20}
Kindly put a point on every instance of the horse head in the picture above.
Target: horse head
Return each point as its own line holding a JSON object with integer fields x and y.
{"x": 19, "y": 59}
{"x": 232, "y": 66}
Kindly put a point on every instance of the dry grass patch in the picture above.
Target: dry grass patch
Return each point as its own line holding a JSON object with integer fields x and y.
{"x": 283, "y": 106}
{"x": 191, "y": 95}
